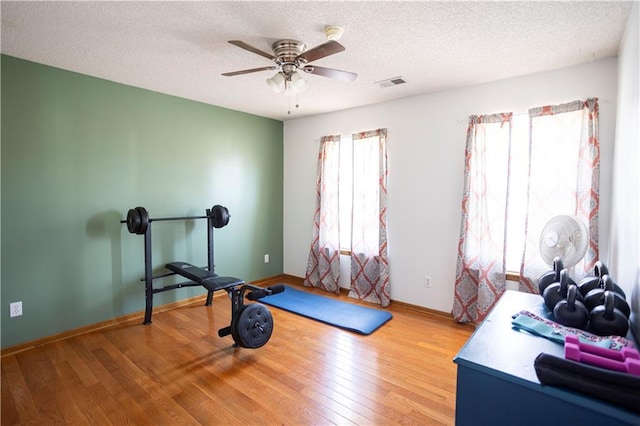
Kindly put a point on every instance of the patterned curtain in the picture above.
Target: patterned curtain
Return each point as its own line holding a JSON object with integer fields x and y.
{"x": 323, "y": 266}
{"x": 480, "y": 271}
{"x": 570, "y": 132}
{"x": 369, "y": 261}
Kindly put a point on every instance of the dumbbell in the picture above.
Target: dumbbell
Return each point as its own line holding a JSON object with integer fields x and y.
{"x": 626, "y": 360}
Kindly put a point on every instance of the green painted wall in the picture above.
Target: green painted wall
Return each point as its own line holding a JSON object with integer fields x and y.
{"x": 78, "y": 152}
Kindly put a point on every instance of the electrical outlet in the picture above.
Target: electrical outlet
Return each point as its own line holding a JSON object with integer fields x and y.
{"x": 427, "y": 281}
{"x": 15, "y": 309}
{"x": 266, "y": 258}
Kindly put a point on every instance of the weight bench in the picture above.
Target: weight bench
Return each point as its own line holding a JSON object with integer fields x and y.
{"x": 210, "y": 281}
{"x": 251, "y": 324}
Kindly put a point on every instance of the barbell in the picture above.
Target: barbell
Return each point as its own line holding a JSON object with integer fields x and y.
{"x": 138, "y": 218}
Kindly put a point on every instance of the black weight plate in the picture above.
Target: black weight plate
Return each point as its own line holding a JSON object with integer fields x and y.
{"x": 144, "y": 220}
{"x": 220, "y": 216}
{"x": 253, "y": 326}
{"x": 133, "y": 221}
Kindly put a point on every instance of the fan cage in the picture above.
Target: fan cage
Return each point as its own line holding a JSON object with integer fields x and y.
{"x": 566, "y": 237}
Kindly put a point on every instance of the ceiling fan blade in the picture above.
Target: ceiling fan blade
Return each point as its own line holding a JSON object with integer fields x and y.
{"x": 231, "y": 74}
{"x": 245, "y": 46}
{"x": 331, "y": 73}
{"x": 325, "y": 49}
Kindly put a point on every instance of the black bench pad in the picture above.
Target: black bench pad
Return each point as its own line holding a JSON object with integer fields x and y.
{"x": 210, "y": 281}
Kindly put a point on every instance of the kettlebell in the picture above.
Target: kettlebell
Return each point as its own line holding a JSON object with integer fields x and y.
{"x": 606, "y": 320}
{"x": 593, "y": 281}
{"x": 596, "y": 297}
{"x": 571, "y": 312}
{"x": 550, "y": 277}
{"x": 558, "y": 291}
{"x": 589, "y": 283}
{"x": 615, "y": 287}
{"x": 602, "y": 270}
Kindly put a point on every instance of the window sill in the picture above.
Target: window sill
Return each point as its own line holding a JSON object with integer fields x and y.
{"x": 513, "y": 276}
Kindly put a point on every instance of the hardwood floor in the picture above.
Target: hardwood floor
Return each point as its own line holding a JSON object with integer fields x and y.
{"x": 178, "y": 370}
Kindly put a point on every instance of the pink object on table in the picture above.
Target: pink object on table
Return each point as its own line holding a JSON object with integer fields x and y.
{"x": 626, "y": 360}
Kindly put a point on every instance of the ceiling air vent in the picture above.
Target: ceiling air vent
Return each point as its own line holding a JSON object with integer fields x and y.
{"x": 390, "y": 82}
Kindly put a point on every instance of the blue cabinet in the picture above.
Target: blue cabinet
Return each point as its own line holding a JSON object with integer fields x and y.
{"x": 497, "y": 383}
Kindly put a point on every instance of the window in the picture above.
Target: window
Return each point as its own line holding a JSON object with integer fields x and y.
{"x": 556, "y": 151}
{"x": 521, "y": 171}
{"x": 350, "y": 215}
{"x": 364, "y": 175}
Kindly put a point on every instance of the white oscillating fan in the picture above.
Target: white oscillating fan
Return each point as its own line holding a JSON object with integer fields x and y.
{"x": 566, "y": 237}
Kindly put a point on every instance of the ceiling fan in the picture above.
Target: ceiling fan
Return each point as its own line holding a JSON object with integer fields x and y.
{"x": 291, "y": 56}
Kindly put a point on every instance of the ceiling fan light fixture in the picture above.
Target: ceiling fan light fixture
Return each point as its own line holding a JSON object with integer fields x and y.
{"x": 277, "y": 82}
{"x": 297, "y": 83}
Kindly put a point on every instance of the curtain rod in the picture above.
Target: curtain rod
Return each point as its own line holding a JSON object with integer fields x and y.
{"x": 515, "y": 114}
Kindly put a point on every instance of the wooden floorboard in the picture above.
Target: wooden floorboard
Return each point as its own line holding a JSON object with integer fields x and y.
{"x": 178, "y": 371}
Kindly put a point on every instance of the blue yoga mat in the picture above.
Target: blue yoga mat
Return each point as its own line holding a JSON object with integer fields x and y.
{"x": 330, "y": 311}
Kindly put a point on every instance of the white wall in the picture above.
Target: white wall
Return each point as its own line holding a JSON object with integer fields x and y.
{"x": 426, "y": 143}
{"x": 624, "y": 256}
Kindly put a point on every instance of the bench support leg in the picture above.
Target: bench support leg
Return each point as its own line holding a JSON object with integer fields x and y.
{"x": 148, "y": 277}
{"x": 209, "y": 298}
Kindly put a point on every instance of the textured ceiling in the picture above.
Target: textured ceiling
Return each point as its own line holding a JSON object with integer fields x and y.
{"x": 181, "y": 49}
